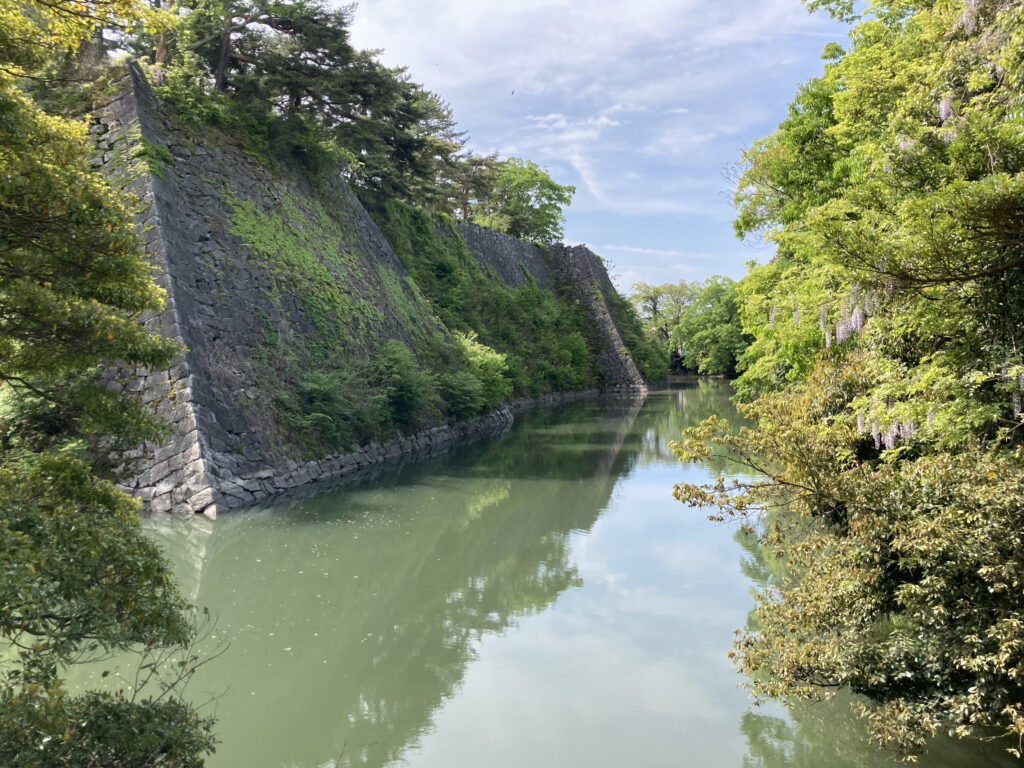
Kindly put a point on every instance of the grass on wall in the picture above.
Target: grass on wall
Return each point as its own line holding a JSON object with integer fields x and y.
{"x": 342, "y": 381}
{"x": 541, "y": 336}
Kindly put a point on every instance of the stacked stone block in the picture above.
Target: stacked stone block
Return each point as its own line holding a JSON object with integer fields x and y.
{"x": 172, "y": 477}
{"x": 223, "y": 453}
{"x": 580, "y": 271}
{"x": 507, "y": 256}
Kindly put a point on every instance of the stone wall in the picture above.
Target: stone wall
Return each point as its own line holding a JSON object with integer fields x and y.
{"x": 224, "y": 299}
{"x": 581, "y": 272}
{"x": 507, "y": 256}
{"x": 576, "y": 271}
{"x": 173, "y": 477}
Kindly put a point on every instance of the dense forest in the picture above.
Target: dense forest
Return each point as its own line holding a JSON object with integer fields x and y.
{"x": 885, "y": 375}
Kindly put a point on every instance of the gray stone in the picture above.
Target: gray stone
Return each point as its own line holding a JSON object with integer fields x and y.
{"x": 221, "y": 298}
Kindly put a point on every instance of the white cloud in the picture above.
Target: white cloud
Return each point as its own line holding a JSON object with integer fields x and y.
{"x": 659, "y": 252}
{"x": 639, "y": 107}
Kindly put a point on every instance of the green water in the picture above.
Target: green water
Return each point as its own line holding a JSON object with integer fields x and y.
{"x": 532, "y": 599}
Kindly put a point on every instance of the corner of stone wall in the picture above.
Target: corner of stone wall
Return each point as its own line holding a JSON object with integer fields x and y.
{"x": 172, "y": 477}
{"x": 579, "y": 271}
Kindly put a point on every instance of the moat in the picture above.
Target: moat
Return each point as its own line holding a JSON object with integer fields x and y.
{"x": 533, "y": 598}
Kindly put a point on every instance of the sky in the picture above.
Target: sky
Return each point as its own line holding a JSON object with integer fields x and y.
{"x": 643, "y": 107}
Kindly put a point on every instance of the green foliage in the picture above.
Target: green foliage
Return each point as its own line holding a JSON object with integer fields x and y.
{"x": 77, "y": 577}
{"x": 697, "y": 324}
{"x": 661, "y": 307}
{"x": 709, "y": 335}
{"x": 103, "y": 729}
{"x": 334, "y": 407}
{"x": 525, "y": 202}
{"x": 650, "y": 357}
{"x": 488, "y": 367}
{"x": 156, "y": 156}
{"x": 886, "y": 368}
{"x": 462, "y": 393}
{"x": 399, "y": 379}
{"x": 540, "y": 336}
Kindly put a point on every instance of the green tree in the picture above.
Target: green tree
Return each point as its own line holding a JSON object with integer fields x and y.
{"x": 525, "y": 202}
{"x": 661, "y": 307}
{"x": 78, "y": 578}
{"x": 709, "y": 335}
{"x": 472, "y": 182}
{"x": 286, "y": 71}
{"x": 888, "y": 376}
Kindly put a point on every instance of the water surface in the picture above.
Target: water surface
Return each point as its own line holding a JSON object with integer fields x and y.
{"x": 532, "y": 599}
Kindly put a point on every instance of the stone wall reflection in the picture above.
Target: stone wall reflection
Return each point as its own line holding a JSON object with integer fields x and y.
{"x": 352, "y": 616}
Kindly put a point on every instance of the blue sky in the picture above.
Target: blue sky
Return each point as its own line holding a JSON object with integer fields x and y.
{"x": 642, "y": 106}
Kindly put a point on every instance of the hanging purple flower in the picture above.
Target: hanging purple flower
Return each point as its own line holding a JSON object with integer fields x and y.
{"x": 857, "y": 320}
{"x": 946, "y": 108}
{"x": 889, "y": 438}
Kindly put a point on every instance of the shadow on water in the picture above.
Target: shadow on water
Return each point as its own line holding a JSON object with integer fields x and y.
{"x": 353, "y": 615}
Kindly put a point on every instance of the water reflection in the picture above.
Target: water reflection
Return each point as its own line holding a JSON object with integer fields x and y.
{"x": 535, "y": 598}
{"x": 352, "y": 616}
{"x": 812, "y": 734}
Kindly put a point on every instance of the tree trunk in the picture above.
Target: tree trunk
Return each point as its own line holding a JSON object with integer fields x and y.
{"x": 160, "y": 54}
{"x": 221, "y": 78}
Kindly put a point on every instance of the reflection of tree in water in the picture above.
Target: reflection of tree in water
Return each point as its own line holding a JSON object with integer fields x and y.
{"x": 577, "y": 441}
{"x": 688, "y": 405}
{"x": 815, "y": 734}
{"x": 377, "y": 595}
{"x": 827, "y": 733}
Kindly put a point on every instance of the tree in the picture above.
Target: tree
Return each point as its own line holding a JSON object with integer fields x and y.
{"x": 289, "y": 71}
{"x": 472, "y": 182}
{"x": 284, "y": 74}
{"x": 525, "y": 202}
{"x": 78, "y": 577}
{"x": 708, "y": 334}
{"x": 661, "y": 307}
{"x": 888, "y": 409}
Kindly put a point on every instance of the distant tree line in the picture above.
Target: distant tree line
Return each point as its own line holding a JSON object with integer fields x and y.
{"x": 697, "y": 323}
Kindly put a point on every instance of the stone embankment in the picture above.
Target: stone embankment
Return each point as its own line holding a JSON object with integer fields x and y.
{"x": 224, "y": 300}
